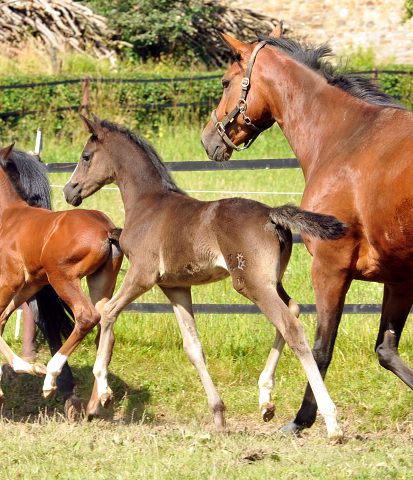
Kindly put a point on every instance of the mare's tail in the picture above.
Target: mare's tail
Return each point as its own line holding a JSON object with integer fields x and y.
{"x": 325, "y": 227}
{"x": 53, "y": 317}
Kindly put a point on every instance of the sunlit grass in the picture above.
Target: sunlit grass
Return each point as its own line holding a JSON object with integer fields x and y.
{"x": 164, "y": 426}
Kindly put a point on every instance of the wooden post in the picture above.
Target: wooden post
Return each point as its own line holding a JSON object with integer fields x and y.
{"x": 28, "y": 336}
{"x": 85, "y": 96}
{"x": 374, "y": 76}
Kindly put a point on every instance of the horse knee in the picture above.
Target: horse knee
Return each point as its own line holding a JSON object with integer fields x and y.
{"x": 86, "y": 321}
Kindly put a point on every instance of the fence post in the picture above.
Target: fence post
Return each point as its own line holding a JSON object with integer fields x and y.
{"x": 85, "y": 96}
{"x": 28, "y": 335}
{"x": 374, "y": 76}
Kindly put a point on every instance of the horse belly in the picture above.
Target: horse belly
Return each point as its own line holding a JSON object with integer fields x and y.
{"x": 194, "y": 273}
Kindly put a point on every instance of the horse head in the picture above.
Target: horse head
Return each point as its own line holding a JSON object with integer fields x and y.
{"x": 91, "y": 171}
{"x": 242, "y": 112}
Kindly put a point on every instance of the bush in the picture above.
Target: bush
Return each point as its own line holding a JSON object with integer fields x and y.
{"x": 112, "y": 100}
{"x": 408, "y": 5}
{"x": 160, "y": 29}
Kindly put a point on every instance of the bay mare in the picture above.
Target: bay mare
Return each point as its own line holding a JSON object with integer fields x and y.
{"x": 175, "y": 241}
{"x": 40, "y": 247}
{"x": 30, "y": 176}
{"x": 354, "y": 144}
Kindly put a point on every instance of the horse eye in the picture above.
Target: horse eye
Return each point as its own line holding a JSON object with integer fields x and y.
{"x": 225, "y": 83}
{"x": 86, "y": 156}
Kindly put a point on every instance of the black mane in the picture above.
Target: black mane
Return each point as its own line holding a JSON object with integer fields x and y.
{"x": 29, "y": 179}
{"x": 150, "y": 152}
{"x": 315, "y": 58}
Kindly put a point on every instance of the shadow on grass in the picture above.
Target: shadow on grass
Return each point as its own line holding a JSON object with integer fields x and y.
{"x": 24, "y": 399}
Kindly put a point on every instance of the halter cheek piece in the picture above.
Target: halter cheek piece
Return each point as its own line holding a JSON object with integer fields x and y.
{"x": 241, "y": 108}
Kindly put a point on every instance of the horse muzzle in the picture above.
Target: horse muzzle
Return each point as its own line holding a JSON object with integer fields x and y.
{"x": 73, "y": 193}
{"x": 216, "y": 149}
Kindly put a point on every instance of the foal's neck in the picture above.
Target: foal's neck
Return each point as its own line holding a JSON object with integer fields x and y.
{"x": 137, "y": 176}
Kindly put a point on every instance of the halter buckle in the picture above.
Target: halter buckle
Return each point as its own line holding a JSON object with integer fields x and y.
{"x": 245, "y": 82}
{"x": 220, "y": 129}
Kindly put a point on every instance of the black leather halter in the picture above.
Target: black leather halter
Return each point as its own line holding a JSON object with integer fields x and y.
{"x": 241, "y": 107}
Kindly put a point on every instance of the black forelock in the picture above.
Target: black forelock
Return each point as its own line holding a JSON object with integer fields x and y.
{"x": 150, "y": 152}
{"x": 317, "y": 58}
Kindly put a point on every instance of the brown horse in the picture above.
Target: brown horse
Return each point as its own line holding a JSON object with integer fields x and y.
{"x": 354, "y": 144}
{"x": 40, "y": 247}
{"x": 175, "y": 241}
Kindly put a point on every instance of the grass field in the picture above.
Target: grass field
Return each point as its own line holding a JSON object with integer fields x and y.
{"x": 160, "y": 426}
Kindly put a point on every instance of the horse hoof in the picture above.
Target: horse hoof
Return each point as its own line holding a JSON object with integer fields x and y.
{"x": 49, "y": 393}
{"x": 38, "y": 369}
{"x": 92, "y": 415}
{"x": 75, "y": 409}
{"x": 220, "y": 425}
{"x": 107, "y": 400}
{"x": 267, "y": 411}
{"x": 336, "y": 437}
{"x": 291, "y": 428}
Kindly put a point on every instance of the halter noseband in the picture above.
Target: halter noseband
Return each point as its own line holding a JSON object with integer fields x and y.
{"x": 241, "y": 107}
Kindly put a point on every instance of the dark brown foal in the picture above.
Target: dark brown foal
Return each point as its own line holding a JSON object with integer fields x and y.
{"x": 39, "y": 247}
{"x": 175, "y": 241}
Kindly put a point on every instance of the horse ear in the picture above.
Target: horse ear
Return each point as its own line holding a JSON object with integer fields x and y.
{"x": 96, "y": 119}
{"x": 278, "y": 30}
{"x": 6, "y": 152}
{"x": 236, "y": 46}
{"x": 94, "y": 128}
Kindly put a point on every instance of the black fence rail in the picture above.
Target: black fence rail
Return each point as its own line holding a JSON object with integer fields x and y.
{"x": 216, "y": 308}
{"x": 247, "y": 309}
{"x": 84, "y": 104}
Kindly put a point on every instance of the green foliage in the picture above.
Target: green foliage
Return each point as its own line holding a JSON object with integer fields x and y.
{"x": 160, "y": 29}
{"x": 408, "y": 5}
{"x": 115, "y": 100}
{"x": 359, "y": 58}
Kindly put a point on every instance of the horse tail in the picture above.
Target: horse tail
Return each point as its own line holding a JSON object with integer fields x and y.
{"x": 52, "y": 315}
{"x": 324, "y": 227}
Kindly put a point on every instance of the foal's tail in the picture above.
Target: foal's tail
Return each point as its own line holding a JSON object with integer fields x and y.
{"x": 53, "y": 317}
{"x": 325, "y": 227}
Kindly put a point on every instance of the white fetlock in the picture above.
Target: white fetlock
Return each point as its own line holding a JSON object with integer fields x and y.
{"x": 106, "y": 400}
{"x": 335, "y": 434}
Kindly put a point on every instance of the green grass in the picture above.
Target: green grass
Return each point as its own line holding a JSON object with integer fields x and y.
{"x": 163, "y": 426}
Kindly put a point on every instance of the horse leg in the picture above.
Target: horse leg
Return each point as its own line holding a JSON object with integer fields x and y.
{"x": 101, "y": 285}
{"x": 266, "y": 380}
{"x": 397, "y": 301}
{"x": 181, "y": 301}
{"x": 131, "y": 288}
{"x": 8, "y": 304}
{"x": 266, "y": 297}
{"x": 53, "y": 321}
{"x": 65, "y": 381}
{"x": 330, "y": 288}
{"x": 86, "y": 317}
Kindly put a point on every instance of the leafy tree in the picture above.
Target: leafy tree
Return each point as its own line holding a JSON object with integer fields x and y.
{"x": 408, "y": 5}
{"x": 161, "y": 28}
